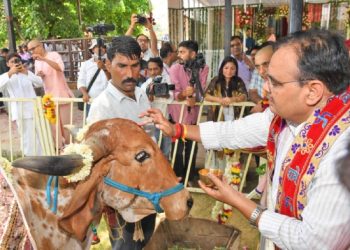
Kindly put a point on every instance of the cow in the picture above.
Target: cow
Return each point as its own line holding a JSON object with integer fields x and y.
{"x": 123, "y": 153}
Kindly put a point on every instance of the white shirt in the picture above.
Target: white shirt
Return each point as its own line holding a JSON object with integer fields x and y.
{"x": 326, "y": 217}
{"x": 21, "y": 86}
{"x": 111, "y": 103}
{"x": 86, "y": 72}
{"x": 147, "y": 54}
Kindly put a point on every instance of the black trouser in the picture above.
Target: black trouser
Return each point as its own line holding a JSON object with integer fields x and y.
{"x": 126, "y": 242}
{"x": 182, "y": 159}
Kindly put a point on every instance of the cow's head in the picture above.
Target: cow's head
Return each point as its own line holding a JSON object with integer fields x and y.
{"x": 123, "y": 152}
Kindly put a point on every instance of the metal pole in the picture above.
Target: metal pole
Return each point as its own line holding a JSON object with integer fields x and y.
{"x": 79, "y": 12}
{"x": 10, "y": 29}
{"x": 295, "y": 15}
{"x": 228, "y": 27}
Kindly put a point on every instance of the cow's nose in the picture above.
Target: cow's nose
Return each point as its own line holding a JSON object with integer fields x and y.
{"x": 190, "y": 202}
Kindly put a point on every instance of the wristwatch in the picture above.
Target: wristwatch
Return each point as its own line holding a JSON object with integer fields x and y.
{"x": 255, "y": 215}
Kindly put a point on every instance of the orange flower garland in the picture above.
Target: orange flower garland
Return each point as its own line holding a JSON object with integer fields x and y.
{"x": 49, "y": 108}
{"x": 222, "y": 212}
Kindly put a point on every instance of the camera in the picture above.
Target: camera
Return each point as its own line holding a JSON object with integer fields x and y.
{"x": 159, "y": 88}
{"x": 100, "y": 29}
{"x": 197, "y": 63}
{"x": 141, "y": 19}
{"x": 17, "y": 61}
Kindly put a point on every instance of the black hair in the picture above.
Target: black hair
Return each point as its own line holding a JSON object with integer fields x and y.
{"x": 322, "y": 55}
{"x": 4, "y": 50}
{"x": 236, "y": 37}
{"x": 233, "y": 84}
{"x": 124, "y": 45}
{"x": 166, "y": 49}
{"x": 142, "y": 35}
{"x": 156, "y": 60}
{"x": 189, "y": 44}
{"x": 12, "y": 55}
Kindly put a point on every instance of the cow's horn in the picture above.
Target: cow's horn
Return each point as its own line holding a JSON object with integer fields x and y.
{"x": 73, "y": 130}
{"x": 98, "y": 147}
{"x": 51, "y": 165}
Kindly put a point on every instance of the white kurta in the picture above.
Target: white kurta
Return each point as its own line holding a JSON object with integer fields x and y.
{"x": 21, "y": 86}
{"x": 326, "y": 217}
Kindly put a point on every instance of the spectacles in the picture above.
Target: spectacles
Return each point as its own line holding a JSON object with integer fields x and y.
{"x": 32, "y": 49}
{"x": 273, "y": 83}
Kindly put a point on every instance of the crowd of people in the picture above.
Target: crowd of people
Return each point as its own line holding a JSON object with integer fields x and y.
{"x": 300, "y": 105}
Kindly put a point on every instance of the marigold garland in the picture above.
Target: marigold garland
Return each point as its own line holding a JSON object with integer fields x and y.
{"x": 6, "y": 166}
{"x": 222, "y": 212}
{"x": 86, "y": 152}
{"x": 49, "y": 108}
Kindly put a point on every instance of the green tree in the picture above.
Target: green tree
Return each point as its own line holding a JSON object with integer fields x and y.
{"x": 46, "y": 19}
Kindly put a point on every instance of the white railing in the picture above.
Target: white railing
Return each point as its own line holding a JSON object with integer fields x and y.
{"x": 11, "y": 143}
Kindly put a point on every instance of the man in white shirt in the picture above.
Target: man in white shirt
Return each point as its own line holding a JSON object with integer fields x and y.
{"x": 308, "y": 119}
{"x": 18, "y": 82}
{"x": 155, "y": 69}
{"x": 148, "y": 45}
{"x": 122, "y": 99}
{"x": 87, "y": 71}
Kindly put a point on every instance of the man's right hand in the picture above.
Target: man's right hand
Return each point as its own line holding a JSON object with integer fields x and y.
{"x": 188, "y": 91}
{"x": 14, "y": 70}
{"x": 155, "y": 116}
{"x": 133, "y": 20}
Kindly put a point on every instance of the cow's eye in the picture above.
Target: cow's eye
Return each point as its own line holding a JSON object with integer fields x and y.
{"x": 142, "y": 156}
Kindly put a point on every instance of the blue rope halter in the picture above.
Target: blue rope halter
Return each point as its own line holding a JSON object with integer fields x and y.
{"x": 154, "y": 198}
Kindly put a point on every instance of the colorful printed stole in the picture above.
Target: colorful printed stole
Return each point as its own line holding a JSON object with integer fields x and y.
{"x": 311, "y": 144}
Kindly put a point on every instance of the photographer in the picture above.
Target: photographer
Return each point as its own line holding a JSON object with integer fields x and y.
{"x": 158, "y": 88}
{"x": 89, "y": 69}
{"x": 148, "y": 46}
{"x": 184, "y": 90}
{"x": 19, "y": 81}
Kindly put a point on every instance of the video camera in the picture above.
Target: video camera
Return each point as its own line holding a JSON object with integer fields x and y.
{"x": 100, "y": 29}
{"x": 158, "y": 88}
{"x": 193, "y": 66}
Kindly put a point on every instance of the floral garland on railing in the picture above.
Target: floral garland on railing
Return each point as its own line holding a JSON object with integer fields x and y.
{"x": 6, "y": 166}
{"x": 49, "y": 108}
{"x": 221, "y": 211}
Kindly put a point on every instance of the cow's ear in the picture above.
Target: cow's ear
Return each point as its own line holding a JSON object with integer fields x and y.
{"x": 85, "y": 206}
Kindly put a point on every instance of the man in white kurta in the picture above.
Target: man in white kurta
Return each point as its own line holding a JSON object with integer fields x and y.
{"x": 19, "y": 82}
{"x": 300, "y": 91}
